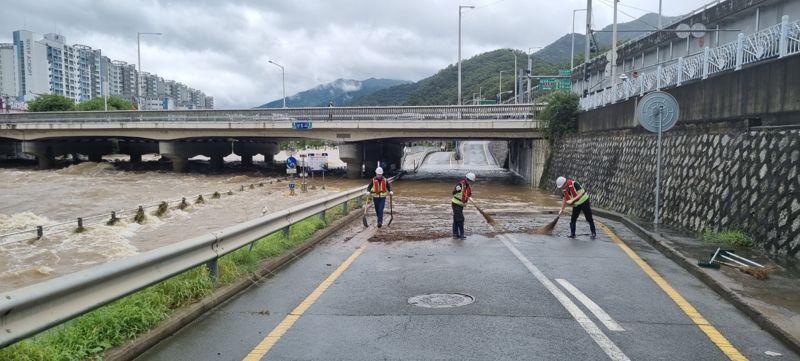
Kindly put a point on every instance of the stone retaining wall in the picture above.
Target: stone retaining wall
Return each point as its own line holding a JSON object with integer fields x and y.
{"x": 725, "y": 180}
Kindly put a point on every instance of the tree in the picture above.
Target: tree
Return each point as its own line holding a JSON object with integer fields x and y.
{"x": 114, "y": 103}
{"x": 561, "y": 114}
{"x": 51, "y": 103}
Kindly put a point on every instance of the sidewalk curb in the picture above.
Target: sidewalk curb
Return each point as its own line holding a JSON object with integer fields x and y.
{"x": 198, "y": 310}
{"x": 689, "y": 265}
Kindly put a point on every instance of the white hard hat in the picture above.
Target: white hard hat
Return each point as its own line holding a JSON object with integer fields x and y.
{"x": 560, "y": 182}
{"x": 379, "y": 170}
{"x": 471, "y": 176}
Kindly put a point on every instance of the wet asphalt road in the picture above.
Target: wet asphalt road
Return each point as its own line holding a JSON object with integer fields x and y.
{"x": 524, "y": 307}
{"x": 365, "y": 314}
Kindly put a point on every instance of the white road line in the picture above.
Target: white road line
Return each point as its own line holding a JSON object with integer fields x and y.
{"x": 600, "y": 338}
{"x": 601, "y": 315}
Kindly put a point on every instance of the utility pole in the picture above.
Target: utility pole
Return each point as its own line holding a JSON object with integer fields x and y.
{"x": 516, "y": 70}
{"x": 659, "y": 16}
{"x": 283, "y": 80}
{"x": 572, "y": 53}
{"x": 587, "y": 47}
{"x": 460, "y": 7}
{"x": 500, "y": 88}
{"x": 614, "y": 50}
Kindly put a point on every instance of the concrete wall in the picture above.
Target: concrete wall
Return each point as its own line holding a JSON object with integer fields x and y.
{"x": 712, "y": 179}
{"x": 527, "y": 158}
{"x": 768, "y": 94}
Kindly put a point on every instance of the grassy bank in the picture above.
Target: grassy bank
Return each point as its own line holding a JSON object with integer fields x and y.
{"x": 731, "y": 238}
{"x": 88, "y": 336}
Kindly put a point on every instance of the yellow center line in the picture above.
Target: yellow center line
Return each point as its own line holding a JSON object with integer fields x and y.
{"x": 713, "y": 334}
{"x": 272, "y": 338}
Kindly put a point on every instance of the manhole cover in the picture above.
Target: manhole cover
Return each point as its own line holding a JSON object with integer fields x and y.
{"x": 441, "y": 300}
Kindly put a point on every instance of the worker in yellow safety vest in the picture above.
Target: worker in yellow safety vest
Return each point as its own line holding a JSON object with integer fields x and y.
{"x": 576, "y": 196}
{"x": 379, "y": 188}
{"x": 461, "y": 194}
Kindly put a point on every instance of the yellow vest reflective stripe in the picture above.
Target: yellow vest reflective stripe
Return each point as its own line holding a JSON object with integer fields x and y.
{"x": 379, "y": 188}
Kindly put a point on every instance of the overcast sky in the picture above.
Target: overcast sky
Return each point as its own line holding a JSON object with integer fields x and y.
{"x": 222, "y": 47}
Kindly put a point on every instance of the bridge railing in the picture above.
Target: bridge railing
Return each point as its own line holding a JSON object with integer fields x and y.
{"x": 778, "y": 41}
{"x": 416, "y": 113}
{"x": 29, "y": 310}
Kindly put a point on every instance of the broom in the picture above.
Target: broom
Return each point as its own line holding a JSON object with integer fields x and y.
{"x": 548, "y": 229}
{"x": 757, "y": 273}
{"x": 488, "y": 218}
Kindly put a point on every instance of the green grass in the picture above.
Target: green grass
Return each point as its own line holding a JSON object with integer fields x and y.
{"x": 88, "y": 336}
{"x": 731, "y": 238}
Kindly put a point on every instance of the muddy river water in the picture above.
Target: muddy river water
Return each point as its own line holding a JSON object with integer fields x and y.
{"x": 30, "y": 198}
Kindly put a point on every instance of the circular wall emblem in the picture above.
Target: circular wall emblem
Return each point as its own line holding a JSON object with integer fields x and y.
{"x": 441, "y": 300}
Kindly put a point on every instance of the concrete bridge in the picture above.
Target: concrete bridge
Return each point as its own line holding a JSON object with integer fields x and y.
{"x": 364, "y": 134}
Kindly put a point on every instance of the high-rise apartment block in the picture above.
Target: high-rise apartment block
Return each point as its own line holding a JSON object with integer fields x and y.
{"x": 34, "y": 65}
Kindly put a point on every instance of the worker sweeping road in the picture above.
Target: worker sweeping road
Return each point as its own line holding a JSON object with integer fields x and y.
{"x": 461, "y": 194}
{"x": 379, "y": 188}
{"x": 576, "y": 196}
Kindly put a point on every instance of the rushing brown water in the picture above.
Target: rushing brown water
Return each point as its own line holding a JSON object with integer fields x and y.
{"x": 30, "y": 198}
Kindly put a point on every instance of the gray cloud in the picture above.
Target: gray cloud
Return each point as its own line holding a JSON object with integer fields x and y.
{"x": 222, "y": 47}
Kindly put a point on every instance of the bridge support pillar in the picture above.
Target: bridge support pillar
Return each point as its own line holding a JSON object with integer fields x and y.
{"x": 95, "y": 157}
{"x": 353, "y": 155}
{"x": 247, "y": 159}
{"x": 136, "y": 158}
{"x": 43, "y": 152}
{"x": 527, "y": 158}
{"x": 217, "y": 161}
{"x": 177, "y": 152}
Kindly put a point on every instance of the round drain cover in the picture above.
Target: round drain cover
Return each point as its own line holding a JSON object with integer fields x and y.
{"x": 441, "y": 300}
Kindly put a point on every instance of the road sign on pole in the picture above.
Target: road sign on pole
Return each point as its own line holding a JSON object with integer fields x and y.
{"x": 658, "y": 112}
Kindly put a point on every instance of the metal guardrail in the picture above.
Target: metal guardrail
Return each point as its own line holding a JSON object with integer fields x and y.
{"x": 29, "y": 310}
{"x": 416, "y": 113}
{"x": 778, "y": 41}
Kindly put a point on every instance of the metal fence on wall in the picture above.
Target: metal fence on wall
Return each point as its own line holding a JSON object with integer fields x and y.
{"x": 776, "y": 41}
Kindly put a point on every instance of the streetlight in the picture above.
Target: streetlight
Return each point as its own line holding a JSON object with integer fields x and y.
{"x": 530, "y": 69}
{"x": 500, "y": 90}
{"x": 283, "y": 78}
{"x": 139, "y": 67}
{"x": 572, "y": 56}
{"x": 460, "y": 8}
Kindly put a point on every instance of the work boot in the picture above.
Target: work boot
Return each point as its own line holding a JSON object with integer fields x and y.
{"x": 593, "y": 236}
{"x": 379, "y": 225}
{"x": 455, "y": 236}
{"x": 571, "y": 236}
{"x": 462, "y": 237}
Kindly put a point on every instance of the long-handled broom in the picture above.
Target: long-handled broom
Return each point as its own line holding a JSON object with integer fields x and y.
{"x": 548, "y": 229}
{"x": 488, "y": 218}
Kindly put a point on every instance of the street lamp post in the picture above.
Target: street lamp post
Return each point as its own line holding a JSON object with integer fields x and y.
{"x": 516, "y": 71}
{"x": 460, "y": 8}
{"x": 500, "y": 88}
{"x": 283, "y": 80}
{"x": 530, "y": 69}
{"x": 572, "y": 54}
{"x": 139, "y": 68}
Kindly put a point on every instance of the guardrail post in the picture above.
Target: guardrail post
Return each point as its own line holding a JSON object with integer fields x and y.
{"x": 80, "y": 226}
{"x": 241, "y": 189}
{"x": 706, "y": 61}
{"x": 783, "y": 43}
{"x": 113, "y": 219}
{"x": 287, "y": 231}
{"x": 322, "y": 216}
{"x": 680, "y": 71}
{"x": 739, "y": 51}
{"x": 213, "y": 270}
{"x": 39, "y": 232}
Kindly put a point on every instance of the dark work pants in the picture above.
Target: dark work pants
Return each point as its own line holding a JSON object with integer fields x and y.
{"x": 586, "y": 208}
{"x": 379, "y": 202}
{"x": 458, "y": 220}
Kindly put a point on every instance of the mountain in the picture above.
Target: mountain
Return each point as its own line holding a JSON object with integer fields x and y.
{"x": 341, "y": 91}
{"x": 481, "y": 73}
{"x": 558, "y": 52}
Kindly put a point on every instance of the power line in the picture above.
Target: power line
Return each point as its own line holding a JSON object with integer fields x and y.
{"x": 604, "y": 2}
